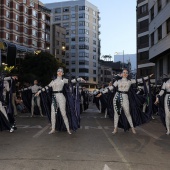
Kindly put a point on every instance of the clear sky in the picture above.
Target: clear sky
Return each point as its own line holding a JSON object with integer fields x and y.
{"x": 118, "y": 25}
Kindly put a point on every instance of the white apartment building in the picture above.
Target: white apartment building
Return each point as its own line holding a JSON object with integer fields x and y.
{"x": 159, "y": 31}
{"x": 81, "y": 20}
{"x": 144, "y": 66}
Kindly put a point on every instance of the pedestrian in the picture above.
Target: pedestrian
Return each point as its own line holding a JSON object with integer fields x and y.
{"x": 58, "y": 98}
{"x": 165, "y": 92}
{"x": 121, "y": 100}
{"x": 35, "y": 99}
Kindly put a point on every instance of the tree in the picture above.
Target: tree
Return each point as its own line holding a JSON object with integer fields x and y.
{"x": 107, "y": 57}
{"x": 42, "y": 67}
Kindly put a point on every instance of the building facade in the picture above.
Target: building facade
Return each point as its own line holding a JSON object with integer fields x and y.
{"x": 58, "y": 43}
{"x": 81, "y": 20}
{"x": 159, "y": 30}
{"x": 144, "y": 66}
{"x": 24, "y": 26}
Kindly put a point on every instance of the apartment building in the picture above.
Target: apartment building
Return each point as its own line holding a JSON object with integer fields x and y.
{"x": 159, "y": 36}
{"x": 58, "y": 43}
{"x": 144, "y": 66}
{"x": 25, "y": 26}
{"x": 80, "y": 18}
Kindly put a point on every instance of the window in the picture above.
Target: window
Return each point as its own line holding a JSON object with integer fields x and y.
{"x": 144, "y": 24}
{"x": 43, "y": 35}
{"x": 17, "y": 7}
{"x": 94, "y": 13}
{"x": 94, "y": 49}
{"x": 72, "y": 8}
{"x": 94, "y": 78}
{"x": 67, "y": 40}
{"x": 143, "y": 9}
{"x": 67, "y": 32}
{"x": 32, "y": 3}
{"x": 25, "y": 30}
{"x": 17, "y": 17}
{"x": 81, "y": 8}
{"x": 152, "y": 13}
{"x": 168, "y": 25}
{"x": 84, "y": 47}
{"x": 82, "y": 15}
{"x": 73, "y": 70}
{"x": 160, "y": 33}
{"x": 43, "y": 17}
{"x": 73, "y": 47}
{"x": 94, "y": 20}
{"x": 159, "y": 5}
{"x": 144, "y": 55}
{"x": 7, "y": 25}
{"x": 94, "y": 27}
{"x": 73, "y": 24}
{"x": 83, "y": 23}
{"x": 34, "y": 32}
{"x": 83, "y": 31}
{"x": 83, "y": 39}
{"x": 94, "y": 42}
{"x": 66, "y": 9}
{"x": 65, "y": 24}
{"x": 65, "y": 17}
{"x": 7, "y": 36}
{"x": 34, "y": 13}
{"x": 67, "y": 47}
{"x": 7, "y": 14}
{"x": 73, "y": 16}
{"x": 94, "y": 34}
{"x": 83, "y": 70}
{"x": 43, "y": 26}
{"x": 26, "y": 10}
{"x": 83, "y": 54}
{"x": 34, "y": 23}
{"x": 152, "y": 39}
{"x": 25, "y": 40}
{"x": 57, "y": 18}
{"x": 16, "y": 38}
{"x": 16, "y": 27}
{"x": 73, "y": 31}
{"x": 73, "y": 39}
{"x": 58, "y": 10}
{"x": 73, "y": 62}
{"x": 34, "y": 43}
{"x": 94, "y": 71}
{"x": 25, "y": 20}
{"x": 94, "y": 57}
{"x": 83, "y": 62}
{"x": 94, "y": 64}
{"x": 8, "y": 3}
{"x": 73, "y": 55}
{"x": 24, "y": 1}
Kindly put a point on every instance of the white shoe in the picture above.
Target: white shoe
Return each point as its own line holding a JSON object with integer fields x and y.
{"x": 114, "y": 131}
{"x": 11, "y": 130}
{"x": 51, "y": 132}
{"x": 133, "y": 130}
{"x": 167, "y": 132}
{"x": 69, "y": 132}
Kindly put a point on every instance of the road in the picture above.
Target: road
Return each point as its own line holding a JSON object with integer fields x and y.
{"x": 92, "y": 147}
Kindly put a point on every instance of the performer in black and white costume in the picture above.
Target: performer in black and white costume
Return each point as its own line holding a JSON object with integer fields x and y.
{"x": 7, "y": 120}
{"x": 58, "y": 98}
{"x": 123, "y": 86}
{"x": 165, "y": 90}
{"x": 34, "y": 89}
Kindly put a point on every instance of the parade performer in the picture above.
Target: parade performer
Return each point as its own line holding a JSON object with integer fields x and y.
{"x": 126, "y": 111}
{"x": 58, "y": 99}
{"x": 35, "y": 99}
{"x": 164, "y": 106}
{"x": 7, "y": 119}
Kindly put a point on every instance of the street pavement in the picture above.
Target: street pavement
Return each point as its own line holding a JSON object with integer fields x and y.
{"x": 92, "y": 147}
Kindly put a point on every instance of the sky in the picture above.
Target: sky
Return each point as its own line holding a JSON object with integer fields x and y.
{"x": 118, "y": 25}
